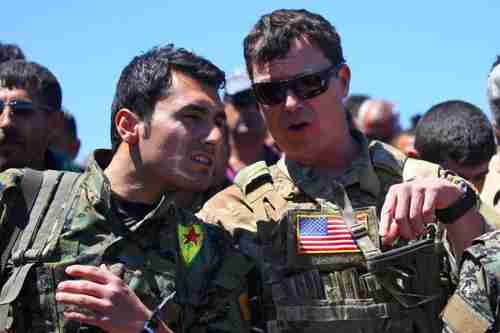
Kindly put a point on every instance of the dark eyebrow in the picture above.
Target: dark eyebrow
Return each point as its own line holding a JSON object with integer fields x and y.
{"x": 196, "y": 107}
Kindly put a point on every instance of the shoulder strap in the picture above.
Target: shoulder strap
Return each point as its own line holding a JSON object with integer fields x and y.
{"x": 47, "y": 216}
{"x": 257, "y": 188}
{"x": 30, "y": 185}
{"x": 251, "y": 177}
{"x": 49, "y": 183}
{"x": 387, "y": 158}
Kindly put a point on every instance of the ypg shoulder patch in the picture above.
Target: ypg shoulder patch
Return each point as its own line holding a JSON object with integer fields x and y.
{"x": 324, "y": 233}
{"x": 190, "y": 241}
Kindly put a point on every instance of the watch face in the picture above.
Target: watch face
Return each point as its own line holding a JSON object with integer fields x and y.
{"x": 463, "y": 187}
{"x": 150, "y": 326}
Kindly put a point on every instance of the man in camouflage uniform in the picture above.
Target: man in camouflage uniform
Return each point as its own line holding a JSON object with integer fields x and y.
{"x": 311, "y": 222}
{"x": 474, "y": 305}
{"x": 124, "y": 245}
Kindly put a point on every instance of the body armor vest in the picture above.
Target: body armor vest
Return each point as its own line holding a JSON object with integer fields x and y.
{"x": 323, "y": 269}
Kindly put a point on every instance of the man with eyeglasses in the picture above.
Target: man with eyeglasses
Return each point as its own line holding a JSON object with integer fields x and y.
{"x": 30, "y": 106}
{"x": 340, "y": 235}
{"x": 246, "y": 128}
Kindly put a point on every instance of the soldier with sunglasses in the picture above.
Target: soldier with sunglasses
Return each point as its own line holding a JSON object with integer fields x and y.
{"x": 344, "y": 233}
{"x": 30, "y": 106}
{"x": 246, "y": 128}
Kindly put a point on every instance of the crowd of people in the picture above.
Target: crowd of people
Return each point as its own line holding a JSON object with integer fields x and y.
{"x": 284, "y": 204}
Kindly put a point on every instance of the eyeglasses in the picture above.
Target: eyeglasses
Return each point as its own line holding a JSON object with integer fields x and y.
{"x": 22, "y": 107}
{"x": 243, "y": 98}
{"x": 304, "y": 86}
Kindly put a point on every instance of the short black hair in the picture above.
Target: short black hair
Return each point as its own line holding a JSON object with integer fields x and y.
{"x": 272, "y": 35}
{"x": 148, "y": 79}
{"x": 455, "y": 130}
{"x": 10, "y": 52}
{"x": 40, "y": 84}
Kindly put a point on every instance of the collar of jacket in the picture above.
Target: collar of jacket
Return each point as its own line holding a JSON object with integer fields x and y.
{"x": 99, "y": 189}
{"x": 317, "y": 183}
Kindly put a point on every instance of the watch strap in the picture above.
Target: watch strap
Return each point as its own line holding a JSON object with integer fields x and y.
{"x": 461, "y": 206}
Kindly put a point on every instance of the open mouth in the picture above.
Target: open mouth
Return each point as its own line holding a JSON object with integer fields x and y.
{"x": 203, "y": 159}
{"x": 298, "y": 127}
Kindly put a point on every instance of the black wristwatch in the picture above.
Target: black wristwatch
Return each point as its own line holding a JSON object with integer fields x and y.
{"x": 151, "y": 325}
{"x": 457, "y": 209}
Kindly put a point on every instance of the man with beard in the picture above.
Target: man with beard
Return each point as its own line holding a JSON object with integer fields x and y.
{"x": 30, "y": 106}
{"x": 247, "y": 129}
{"x": 114, "y": 252}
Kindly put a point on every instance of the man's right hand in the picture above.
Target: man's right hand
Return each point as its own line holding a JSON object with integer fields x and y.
{"x": 102, "y": 299}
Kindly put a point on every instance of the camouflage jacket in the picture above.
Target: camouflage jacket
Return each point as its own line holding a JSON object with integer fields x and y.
{"x": 475, "y": 305}
{"x": 169, "y": 249}
{"x": 251, "y": 208}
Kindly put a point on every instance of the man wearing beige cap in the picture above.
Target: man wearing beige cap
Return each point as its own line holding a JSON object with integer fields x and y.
{"x": 246, "y": 128}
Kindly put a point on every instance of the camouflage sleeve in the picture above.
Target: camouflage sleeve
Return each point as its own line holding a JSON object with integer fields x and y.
{"x": 470, "y": 308}
{"x": 228, "y": 210}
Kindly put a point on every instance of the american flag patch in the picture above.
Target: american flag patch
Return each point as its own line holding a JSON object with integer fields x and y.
{"x": 324, "y": 234}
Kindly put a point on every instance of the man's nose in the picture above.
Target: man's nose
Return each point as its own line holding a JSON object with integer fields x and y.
{"x": 291, "y": 101}
{"x": 215, "y": 135}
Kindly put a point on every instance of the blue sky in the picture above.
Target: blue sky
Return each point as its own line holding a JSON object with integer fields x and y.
{"x": 415, "y": 53}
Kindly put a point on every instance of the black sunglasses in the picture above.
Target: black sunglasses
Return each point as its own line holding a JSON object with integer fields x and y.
{"x": 21, "y": 107}
{"x": 304, "y": 86}
{"x": 243, "y": 98}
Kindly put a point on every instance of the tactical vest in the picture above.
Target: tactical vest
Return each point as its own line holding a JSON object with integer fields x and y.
{"x": 47, "y": 199}
{"x": 313, "y": 284}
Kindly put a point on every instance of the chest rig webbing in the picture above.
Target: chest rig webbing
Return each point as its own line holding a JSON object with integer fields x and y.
{"x": 46, "y": 205}
{"x": 376, "y": 291}
{"x": 44, "y": 196}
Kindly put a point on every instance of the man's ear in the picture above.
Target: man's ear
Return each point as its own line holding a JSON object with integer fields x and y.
{"x": 344, "y": 76}
{"x": 127, "y": 126}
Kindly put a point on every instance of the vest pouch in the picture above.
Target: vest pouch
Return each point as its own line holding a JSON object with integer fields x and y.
{"x": 411, "y": 275}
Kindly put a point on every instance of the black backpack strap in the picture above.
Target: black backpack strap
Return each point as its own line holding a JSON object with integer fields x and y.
{"x": 30, "y": 186}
